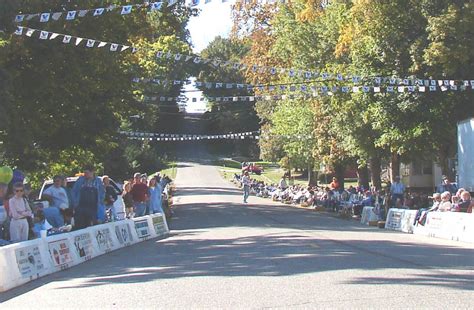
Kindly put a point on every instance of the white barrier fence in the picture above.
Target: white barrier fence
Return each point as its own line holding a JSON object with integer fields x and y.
{"x": 26, "y": 261}
{"x": 446, "y": 225}
{"x": 368, "y": 215}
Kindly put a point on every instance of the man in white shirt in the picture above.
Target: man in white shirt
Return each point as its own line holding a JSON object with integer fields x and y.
{"x": 56, "y": 194}
{"x": 246, "y": 184}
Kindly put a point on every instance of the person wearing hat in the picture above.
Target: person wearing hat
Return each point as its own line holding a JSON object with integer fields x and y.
{"x": 446, "y": 186}
{"x": 397, "y": 189}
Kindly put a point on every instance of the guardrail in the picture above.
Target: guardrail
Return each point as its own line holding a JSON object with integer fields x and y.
{"x": 26, "y": 261}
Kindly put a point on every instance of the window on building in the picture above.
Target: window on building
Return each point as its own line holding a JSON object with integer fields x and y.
{"x": 422, "y": 167}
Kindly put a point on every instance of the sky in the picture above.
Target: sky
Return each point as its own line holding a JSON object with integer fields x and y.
{"x": 214, "y": 20}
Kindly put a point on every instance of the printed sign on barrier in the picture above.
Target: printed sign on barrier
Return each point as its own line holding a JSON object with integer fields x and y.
{"x": 83, "y": 246}
{"x": 394, "y": 219}
{"x": 124, "y": 234}
{"x": 159, "y": 225}
{"x": 143, "y": 231}
{"x": 104, "y": 239}
{"x": 60, "y": 253}
{"x": 29, "y": 261}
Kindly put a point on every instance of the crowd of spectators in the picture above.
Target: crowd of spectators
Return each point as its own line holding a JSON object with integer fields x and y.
{"x": 352, "y": 200}
{"x": 90, "y": 201}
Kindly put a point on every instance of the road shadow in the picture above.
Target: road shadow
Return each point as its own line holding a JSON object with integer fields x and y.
{"x": 270, "y": 255}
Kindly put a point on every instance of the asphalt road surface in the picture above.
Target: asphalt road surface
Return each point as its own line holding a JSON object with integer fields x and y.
{"x": 224, "y": 254}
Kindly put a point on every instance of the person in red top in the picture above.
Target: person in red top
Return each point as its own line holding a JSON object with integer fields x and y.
{"x": 139, "y": 194}
{"x": 334, "y": 184}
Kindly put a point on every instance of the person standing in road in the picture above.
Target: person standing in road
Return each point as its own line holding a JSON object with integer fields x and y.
{"x": 397, "y": 190}
{"x": 139, "y": 195}
{"x": 88, "y": 196}
{"x": 246, "y": 184}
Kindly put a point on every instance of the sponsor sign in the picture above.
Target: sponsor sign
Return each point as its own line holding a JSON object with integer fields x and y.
{"x": 29, "y": 261}
{"x": 159, "y": 225}
{"x": 83, "y": 246}
{"x": 60, "y": 253}
{"x": 123, "y": 233}
{"x": 394, "y": 220}
{"x": 104, "y": 239}
{"x": 143, "y": 231}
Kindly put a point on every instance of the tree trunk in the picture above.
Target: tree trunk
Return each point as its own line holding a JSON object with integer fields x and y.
{"x": 312, "y": 176}
{"x": 339, "y": 170}
{"x": 395, "y": 165}
{"x": 363, "y": 176}
{"x": 376, "y": 171}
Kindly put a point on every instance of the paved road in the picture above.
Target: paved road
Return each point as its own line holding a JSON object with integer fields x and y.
{"x": 223, "y": 254}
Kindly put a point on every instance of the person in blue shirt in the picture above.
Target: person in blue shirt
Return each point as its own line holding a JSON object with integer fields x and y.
{"x": 88, "y": 196}
{"x": 155, "y": 192}
{"x": 397, "y": 189}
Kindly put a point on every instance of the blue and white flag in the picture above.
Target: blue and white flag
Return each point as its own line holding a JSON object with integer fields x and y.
{"x": 194, "y": 2}
{"x": 67, "y": 39}
{"x": 29, "y": 32}
{"x": 126, "y": 10}
{"x": 156, "y": 6}
{"x": 71, "y": 15}
{"x": 43, "y": 35}
{"x": 90, "y": 43}
{"x": 19, "y": 18}
{"x": 98, "y": 12}
{"x": 19, "y": 31}
{"x": 113, "y": 47}
{"x": 44, "y": 17}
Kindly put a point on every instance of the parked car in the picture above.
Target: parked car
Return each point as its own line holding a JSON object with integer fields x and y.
{"x": 119, "y": 205}
{"x": 252, "y": 168}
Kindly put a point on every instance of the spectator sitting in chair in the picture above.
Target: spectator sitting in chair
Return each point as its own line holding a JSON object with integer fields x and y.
{"x": 465, "y": 204}
{"x": 445, "y": 204}
{"x": 56, "y": 195}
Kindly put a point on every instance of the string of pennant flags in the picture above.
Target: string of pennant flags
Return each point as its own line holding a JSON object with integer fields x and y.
{"x": 71, "y": 15}
{"x": 193, "y": 137}
{"x": 306, "y": 74}
{"x": 316, "y": 92}
{"x": 432, "y": 85}
{"x": 96, "y": 12}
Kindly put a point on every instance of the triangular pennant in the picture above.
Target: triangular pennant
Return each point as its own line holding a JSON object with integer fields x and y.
{"x": 102, "y": 44}
{"x": 29, "y": 32}
{"x": 57, "y": 15}
{"x": 82, "y": 13}
{"x": 124, "y": 48}
{"x": 78, "y": 41}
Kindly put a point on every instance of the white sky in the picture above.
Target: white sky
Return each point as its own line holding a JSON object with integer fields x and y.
{"x": 214, "y": 20}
